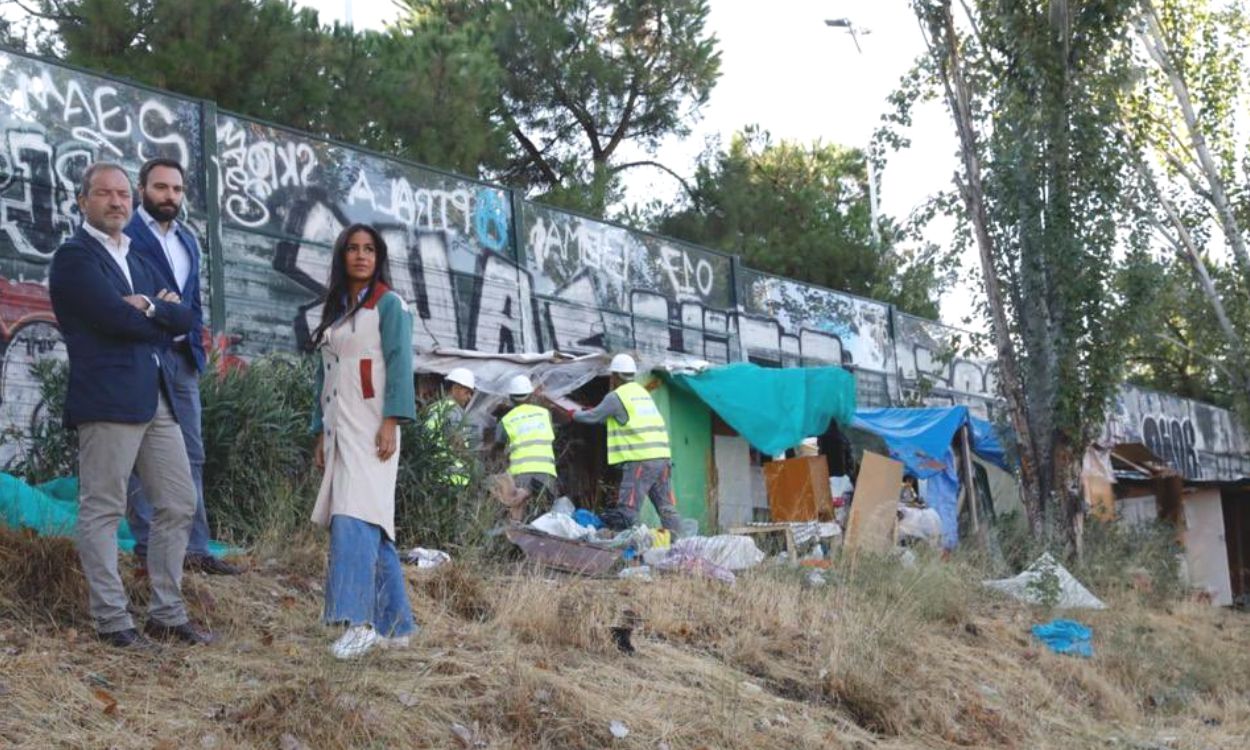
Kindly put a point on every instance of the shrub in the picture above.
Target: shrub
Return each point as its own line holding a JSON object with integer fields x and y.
{"x": 258, "y": 467}
{"x": 44, "y": 449}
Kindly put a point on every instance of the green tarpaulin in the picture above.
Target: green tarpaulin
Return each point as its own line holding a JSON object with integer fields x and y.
{"x": 51, "y": 509}
{"x": 774, "y": 409}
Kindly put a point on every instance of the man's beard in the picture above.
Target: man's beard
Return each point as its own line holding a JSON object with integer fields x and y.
{"x": 162, "y": 212}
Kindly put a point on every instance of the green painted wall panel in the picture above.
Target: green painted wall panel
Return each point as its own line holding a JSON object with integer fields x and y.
{"x": 690, "y": 434}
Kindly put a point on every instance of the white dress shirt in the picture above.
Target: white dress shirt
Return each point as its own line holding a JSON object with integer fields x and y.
{"x": 117, "y": 249}
{"x": 178, "y": 255}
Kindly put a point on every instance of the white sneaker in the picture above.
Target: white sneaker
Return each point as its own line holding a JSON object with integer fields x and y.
{"x": 355, "y": 641}
{"x": 395, "y": 644}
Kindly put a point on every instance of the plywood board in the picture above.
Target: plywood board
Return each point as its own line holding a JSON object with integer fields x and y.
{"x": 874, "y": 506}
{"x": 797, "y": 488}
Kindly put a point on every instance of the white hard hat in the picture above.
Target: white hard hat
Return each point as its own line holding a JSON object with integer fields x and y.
{"x": 623, "y": 364}
{"x": 462, "y": 376}
{"x": 520, "y": 385}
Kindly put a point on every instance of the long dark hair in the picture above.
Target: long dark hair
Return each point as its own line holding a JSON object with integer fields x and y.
{"x": 337, "y": 304}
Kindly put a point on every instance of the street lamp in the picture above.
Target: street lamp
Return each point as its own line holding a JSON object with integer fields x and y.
{"x": 845, "y": 23}
{"x": 854, "y": 31}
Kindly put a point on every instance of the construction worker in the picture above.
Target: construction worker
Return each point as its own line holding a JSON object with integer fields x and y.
{"x": 638, "y": 443}
{"x": 446, "y": 421}
{"x": 527, "y": 433}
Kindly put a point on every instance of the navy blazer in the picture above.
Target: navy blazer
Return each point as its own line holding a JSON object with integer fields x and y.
{"x": 144, "y": 242}
{"x": 113, "y": 376}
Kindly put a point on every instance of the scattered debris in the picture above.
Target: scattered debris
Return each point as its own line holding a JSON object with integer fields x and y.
{"x": 620, "y": 636}
{"x": 637, "y": 573}
{"x": 291, "y": 742}
{"x": 618, "y": 729}
{"x": 1066, "y": 637}
{"x": 467, "y": 738}
{"x": 110, "y": 703}
{"x": 408, "y": 698}
{"x": 1047, "y": 580}
{"x": 425, "y": 559}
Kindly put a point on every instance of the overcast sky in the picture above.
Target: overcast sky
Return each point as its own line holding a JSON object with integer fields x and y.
{"x": 785, "y": 70}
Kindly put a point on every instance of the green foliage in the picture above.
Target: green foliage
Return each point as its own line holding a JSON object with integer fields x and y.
{"x": 44, "y": 449}
{"x": 430, "y": 511}
{"x": 803, "y": 211}
{"x": 424, "y": 96}
{"x": 580, "y": 78}
{"x": 1175, "y": 344}
{"x": 257, "y": 447}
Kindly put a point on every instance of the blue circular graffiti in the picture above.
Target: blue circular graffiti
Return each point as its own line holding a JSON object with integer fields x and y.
{"x": 491, "y": 219}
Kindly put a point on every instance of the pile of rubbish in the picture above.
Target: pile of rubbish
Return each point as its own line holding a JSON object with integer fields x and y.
{"x": 576, "y": 540}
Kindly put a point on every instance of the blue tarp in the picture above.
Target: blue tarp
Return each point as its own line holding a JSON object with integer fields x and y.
{"x": 921, "y": 439}
{"x": 775, "y": 409}
{"x": 1066, "y": 637}
{"x": 51, "y": 509}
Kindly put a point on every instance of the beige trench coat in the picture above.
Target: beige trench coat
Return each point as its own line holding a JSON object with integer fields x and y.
{"x": 356, "y": 482}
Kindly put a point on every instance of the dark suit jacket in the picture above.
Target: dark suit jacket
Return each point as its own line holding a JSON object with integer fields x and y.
{"x": 145, "y": 243}
{"x": 112, "y": 374}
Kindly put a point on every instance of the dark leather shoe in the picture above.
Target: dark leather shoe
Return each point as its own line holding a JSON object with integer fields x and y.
{"x": 213, "y": 566}
{"x": 187, "y": 633}
{"x": 127, "y": 639}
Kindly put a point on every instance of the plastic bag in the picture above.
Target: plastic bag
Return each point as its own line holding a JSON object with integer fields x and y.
{"x": 727, "y": 550}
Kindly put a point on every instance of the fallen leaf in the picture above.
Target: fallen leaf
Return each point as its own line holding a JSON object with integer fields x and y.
{"x": 110, "y": 703}
{"x": 165, "y": 745}
{"x": 288, "y": 602}
{"x": 266, "y": 639}
{"x": 618, "y": 729}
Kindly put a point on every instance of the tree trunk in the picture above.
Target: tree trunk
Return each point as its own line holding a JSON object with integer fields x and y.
{"x": 943, "y": 42}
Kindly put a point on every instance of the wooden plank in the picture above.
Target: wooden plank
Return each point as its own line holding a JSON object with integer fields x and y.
{"x": 874, "y": 507}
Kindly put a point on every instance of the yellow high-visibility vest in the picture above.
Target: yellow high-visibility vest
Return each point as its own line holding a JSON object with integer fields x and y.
{"x": 645, "y": 436}
{"x": 437, "y": 423}
{"x": 530, "y": 439}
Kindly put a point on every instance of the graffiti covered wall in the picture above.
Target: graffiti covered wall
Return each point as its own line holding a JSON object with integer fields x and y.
{"x": 1199, "y": 440}
{"x": 55, "y": 122}
{"x": 787, "y": 323}
{"x": 941, "y": 366}
{"x": 598, "y": 286}
{"x": 285, "y": 197}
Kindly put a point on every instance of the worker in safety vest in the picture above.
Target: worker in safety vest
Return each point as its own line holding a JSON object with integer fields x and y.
{"x": 445, "y": 420}
{"x": 638, "y": 443}
{"x": 526, "y": 433}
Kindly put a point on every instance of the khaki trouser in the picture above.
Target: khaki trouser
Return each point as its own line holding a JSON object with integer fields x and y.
{"x": 107, "y": 453}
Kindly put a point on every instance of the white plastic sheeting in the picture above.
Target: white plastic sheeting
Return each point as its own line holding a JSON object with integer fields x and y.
{"x": 1030, "y": 586}
{"x": 729, "y": 551}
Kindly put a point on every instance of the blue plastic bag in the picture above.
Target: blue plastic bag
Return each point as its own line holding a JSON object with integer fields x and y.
{"x": 1066, "y": 637}
{"x": 587, "y": 518}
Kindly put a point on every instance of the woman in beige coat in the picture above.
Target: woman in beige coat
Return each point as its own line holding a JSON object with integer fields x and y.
{"x": 364, "y": 391}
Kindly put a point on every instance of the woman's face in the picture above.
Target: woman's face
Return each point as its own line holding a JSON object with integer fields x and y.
{"x": 361, "y": 256}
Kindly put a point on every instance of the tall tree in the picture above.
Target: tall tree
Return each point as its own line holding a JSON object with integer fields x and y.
{"x": 1183, "y": 116}
{"x": 585, "y": 82}
{"x": 802, "y": 211}
{"x": 427, "y": 97}
{"x": 1034, "y": 92}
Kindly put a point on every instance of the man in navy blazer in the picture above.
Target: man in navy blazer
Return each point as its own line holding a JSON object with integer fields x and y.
{"x": 117, "y": 322}
{"x": 158, "y": 237}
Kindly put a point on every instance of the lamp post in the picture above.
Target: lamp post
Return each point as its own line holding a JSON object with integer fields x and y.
{"x": 855, "y": 32}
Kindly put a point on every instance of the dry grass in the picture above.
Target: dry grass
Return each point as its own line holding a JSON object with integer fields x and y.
{"x": 881, "y": 656}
